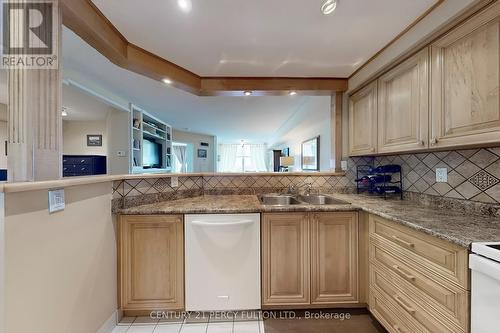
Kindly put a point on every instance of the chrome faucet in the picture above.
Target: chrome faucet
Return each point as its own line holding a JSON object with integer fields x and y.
{"x": 294, "y": 189}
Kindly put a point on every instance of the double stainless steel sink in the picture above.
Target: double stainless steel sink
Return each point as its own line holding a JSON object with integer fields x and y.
{"x": 289, "y": 199}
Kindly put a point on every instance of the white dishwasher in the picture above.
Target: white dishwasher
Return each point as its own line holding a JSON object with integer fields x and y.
{"x": 222, "y": 262}
{"x": 485, "y": 287}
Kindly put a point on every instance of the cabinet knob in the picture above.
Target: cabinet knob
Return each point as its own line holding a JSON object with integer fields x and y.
{"x": 434, "y": 141}
{"x": 422, "y": 143}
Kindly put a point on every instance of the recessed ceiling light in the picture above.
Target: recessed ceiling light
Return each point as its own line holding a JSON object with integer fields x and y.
{"x": 329, "y": 6}
{"x": 247, "y": 93}
{"x": 185, "y": 5}
{"x": 292, "y": 93}
{"x": 166, "y": 81}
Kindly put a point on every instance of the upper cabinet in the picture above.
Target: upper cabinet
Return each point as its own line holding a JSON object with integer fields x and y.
{"x": 445, "y": 96}
{"x": 403, "y": 106}
{"x": 363, "y": 121}
{"x": 465, "y": 83}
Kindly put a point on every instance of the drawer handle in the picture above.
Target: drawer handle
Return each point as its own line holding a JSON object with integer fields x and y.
{"x": 404, "y": 274}
{"x": 402, "y": 241}
{"x": 398, "y": 329}
{"x": 408, "y": 308}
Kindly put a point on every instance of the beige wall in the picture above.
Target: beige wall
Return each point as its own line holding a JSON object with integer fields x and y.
{"x": 118, "y": 137}
{"x": 75, "y": 137}
{"x": 199, "y": 164}
{"x": 310, "y": 121}
{"x": 60, "y": 269}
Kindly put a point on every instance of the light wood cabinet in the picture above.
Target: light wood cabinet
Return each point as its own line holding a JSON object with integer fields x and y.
{"x": 151, "y": 262}
{"x": 363, "y": 121}
{"x": 465, "y": 107}
{"x": 285, "y": 259}
{"x": 423, "y": 277}
{"x": 403, "y": 106}
{"x": 309, "y": 259}
{"x": 334, "y": 258}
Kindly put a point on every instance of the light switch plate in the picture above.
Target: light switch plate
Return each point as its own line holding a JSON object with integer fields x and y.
{"x": 56, "y": 200}
{"x": 121, "y": 153}
{"x": 174, "y": 181}
{"x": 343, "y": 165}
{"x": 441, "y": 175}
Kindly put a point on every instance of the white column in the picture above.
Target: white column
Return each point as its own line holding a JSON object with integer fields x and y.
{"x": 35, "y": 122}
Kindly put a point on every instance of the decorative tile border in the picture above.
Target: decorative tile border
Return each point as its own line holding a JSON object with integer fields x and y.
{"x": 473, "y": 174}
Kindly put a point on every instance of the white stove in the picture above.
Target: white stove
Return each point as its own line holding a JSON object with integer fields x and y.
{"x": 484, "y": 263}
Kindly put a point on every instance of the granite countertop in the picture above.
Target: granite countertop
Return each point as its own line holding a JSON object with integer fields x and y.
{"x": 455, "y": 227}
{"x": 203, "y": 204}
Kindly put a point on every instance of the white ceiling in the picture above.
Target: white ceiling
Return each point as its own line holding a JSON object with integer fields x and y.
{"x": 251, "y": 118}
{"x": 263, "y": 37}
{"x": 82, "y": 106}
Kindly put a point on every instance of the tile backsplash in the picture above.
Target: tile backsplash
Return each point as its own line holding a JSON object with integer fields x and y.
{"x": 132, "y": 192}
{"x": 473, "y": 174}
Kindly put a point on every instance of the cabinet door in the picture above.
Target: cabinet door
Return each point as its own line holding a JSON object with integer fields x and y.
{"x": 285, "y": 259}
{"x": 403, "y": 106}
{"x": 363, "y": 121}
{"x": 151, "y": 262}
{"x": 465, "y": 106}
{"x": 334, "y": 258}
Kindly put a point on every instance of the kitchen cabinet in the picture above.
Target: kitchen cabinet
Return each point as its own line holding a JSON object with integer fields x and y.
{"x": 417, "y": 280}
{"x": 465, "y": 106}
{"x": 363, "y": 121}
{"x": 151, "y": 262}
{"x": 309, "y": 259}
{"x": 334, "y": 258}
{"x": 285, "y": 259}
{"x": 403, "y": 106}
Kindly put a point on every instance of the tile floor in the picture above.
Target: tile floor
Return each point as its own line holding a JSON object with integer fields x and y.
{"x": 360, "y": 321}
{"x": 148, "y": 325}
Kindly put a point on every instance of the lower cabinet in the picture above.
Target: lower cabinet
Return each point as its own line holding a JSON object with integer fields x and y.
{"x": 309, "y": 259}
{"x": 418, "y": 283}
{"x": 151, "y": 262}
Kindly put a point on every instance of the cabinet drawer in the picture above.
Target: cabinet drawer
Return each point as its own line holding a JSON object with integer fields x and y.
{"x": 408, "y": 302}
{"x": 390, "y": 316}
{"x": 450, "y": 300}
{"x": 443, "y": 258}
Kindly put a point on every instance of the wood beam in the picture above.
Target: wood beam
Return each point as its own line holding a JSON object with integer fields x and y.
{"x": 88, "y": 22}
{"x": 271, "y": 85}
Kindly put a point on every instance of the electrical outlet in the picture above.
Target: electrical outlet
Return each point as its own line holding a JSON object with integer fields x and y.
{"x": 56, "y": 200}
{"x": 441, "y": 175}
{"x": 121, "y": 153}
{"x": 343, "y": 165}
{"x": 174, "y": 181}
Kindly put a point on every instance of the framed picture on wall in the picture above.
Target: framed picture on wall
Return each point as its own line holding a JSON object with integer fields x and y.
{"x": 94, "y": 140}
{"x": 310, "y": 154}
{"x": 202, "y": 153}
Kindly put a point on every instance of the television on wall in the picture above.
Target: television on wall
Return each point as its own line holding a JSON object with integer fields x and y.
{"x": 152, "y": 154}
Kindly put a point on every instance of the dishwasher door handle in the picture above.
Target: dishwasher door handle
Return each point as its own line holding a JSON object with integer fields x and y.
{"x": 221, "y": 224}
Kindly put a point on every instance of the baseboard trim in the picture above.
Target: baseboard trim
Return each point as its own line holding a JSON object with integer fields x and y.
{"x": 110, "y": 324}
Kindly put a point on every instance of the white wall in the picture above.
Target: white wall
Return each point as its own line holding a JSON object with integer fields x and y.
{"x": 75, "y": 137}
{"x": 311, "y": 119}
{"x": 199, "y": 164}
